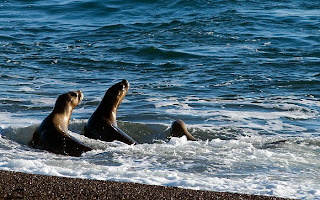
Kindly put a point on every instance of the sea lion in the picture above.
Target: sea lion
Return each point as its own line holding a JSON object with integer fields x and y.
{"x": 102, "y": 125}
{"x": 52, "y": 134}
{"x": 179, "y": 129}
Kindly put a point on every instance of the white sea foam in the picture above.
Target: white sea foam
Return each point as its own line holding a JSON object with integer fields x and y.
{"x": 15, "y": 120}
{"x": 26, "y": 89}
{"x": 270, "y": 115}
{"x": 243, "y": 165}
{"x": 44, "y": 101}
{"x": 254, "y": 164}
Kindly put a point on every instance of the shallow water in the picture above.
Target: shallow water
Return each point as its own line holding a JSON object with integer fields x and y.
{"x": 241, "y": 74}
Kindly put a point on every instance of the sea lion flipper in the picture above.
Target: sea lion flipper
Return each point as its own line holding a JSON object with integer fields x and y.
{"x": 35, "y": 139}
{"x": 124, "y": 137}
{"x": 76, "y": 140}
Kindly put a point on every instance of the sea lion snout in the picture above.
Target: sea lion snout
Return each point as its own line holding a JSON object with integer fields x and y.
{"x": 80, "y": 95}
{"x": 77, "y": 94}
{"x": 125, "y": 84}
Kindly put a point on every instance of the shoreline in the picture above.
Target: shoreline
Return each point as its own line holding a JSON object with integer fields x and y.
{"x": 19, "y": 185}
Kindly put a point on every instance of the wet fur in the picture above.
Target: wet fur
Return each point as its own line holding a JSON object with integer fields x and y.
{"x": 52, "y": 133}
{"x": 102, "y": 125}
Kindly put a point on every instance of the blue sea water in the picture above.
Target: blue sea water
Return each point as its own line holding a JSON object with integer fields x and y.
{"x": 241, "y": 74}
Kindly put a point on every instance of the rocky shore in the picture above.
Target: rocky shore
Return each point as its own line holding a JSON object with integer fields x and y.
{"x": 16, "y": 185}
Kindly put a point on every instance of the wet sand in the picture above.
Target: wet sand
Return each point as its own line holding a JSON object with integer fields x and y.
{"x": 16, "y": 185}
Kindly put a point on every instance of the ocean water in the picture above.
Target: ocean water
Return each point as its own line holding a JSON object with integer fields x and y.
{"x": 241, "y": 74}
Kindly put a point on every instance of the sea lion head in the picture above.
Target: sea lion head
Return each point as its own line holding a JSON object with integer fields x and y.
{"x": 111, "y": 101}
{"x": 69, "y": 100}
{"x": 179, "y": 129}
{"x": 114, "y": 96}
{"x": 117, "y": 92}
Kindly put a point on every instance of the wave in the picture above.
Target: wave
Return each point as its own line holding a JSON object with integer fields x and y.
{"x": 158, "y": 133}
{"x": 153, "y": 52}
{"x": 142, "y": 133}
{"x": 299, "y": 84}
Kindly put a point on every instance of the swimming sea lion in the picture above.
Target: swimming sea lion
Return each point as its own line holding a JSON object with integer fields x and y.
{"x": 102, "y": 125}
{"x": 179, "y": 129}
{"x": 52, "y": 134}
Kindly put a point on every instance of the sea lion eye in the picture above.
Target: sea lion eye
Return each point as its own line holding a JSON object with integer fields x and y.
{"x": 73, "y": 94}
{"x": 122, "y": 87}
